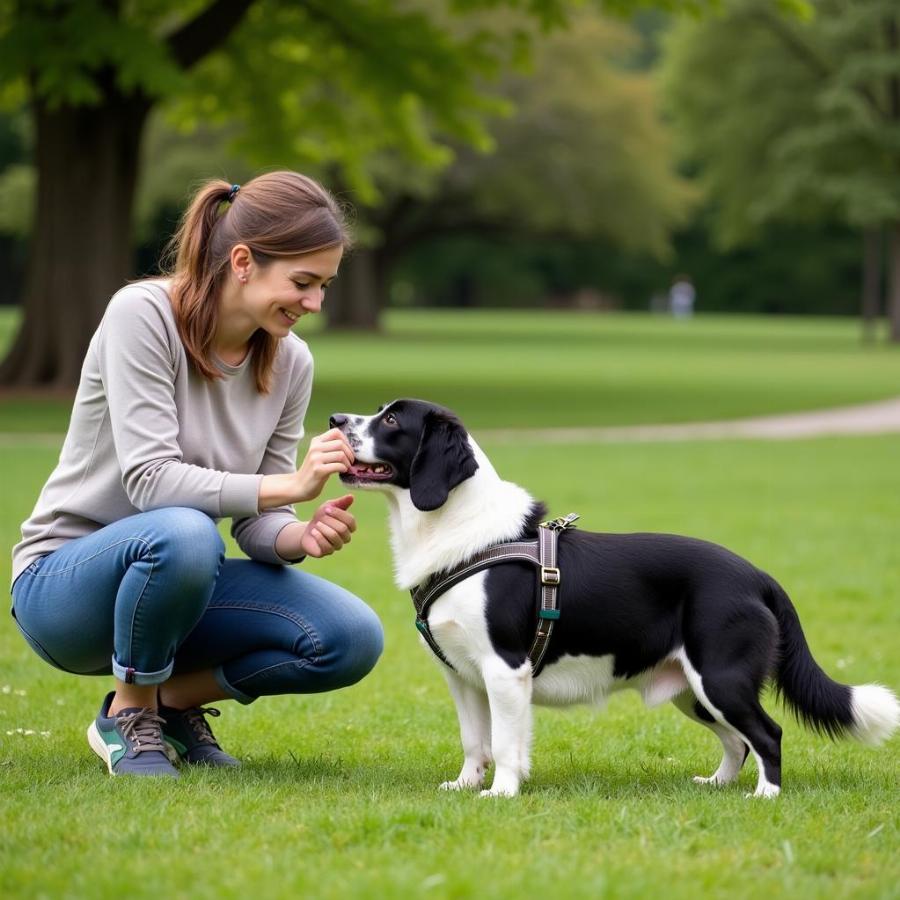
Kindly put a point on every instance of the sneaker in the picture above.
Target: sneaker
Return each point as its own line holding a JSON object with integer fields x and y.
{"x": 189, "y": 734}
{"x": 130, "y": 742}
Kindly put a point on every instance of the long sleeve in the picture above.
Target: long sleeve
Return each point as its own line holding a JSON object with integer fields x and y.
{"x": 137, "y": 368}
{"x": 256, "y": 535}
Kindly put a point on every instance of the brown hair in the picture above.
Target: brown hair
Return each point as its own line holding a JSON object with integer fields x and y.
{"x": 277, "y": 214}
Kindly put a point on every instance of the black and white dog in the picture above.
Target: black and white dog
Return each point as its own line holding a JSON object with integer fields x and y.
{"x": 675, "y": 618}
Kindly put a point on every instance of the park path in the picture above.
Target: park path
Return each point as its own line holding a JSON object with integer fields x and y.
{"x": 882, "y": 417}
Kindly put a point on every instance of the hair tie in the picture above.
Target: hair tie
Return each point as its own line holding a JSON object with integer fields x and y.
{"x": 233, "y": 192}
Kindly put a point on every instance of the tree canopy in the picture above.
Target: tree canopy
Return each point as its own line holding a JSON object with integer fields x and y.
{"x": 331, "y": 83}
{"x": 791, "y": 118}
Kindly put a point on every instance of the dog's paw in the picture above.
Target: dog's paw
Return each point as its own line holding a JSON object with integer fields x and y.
{"x": 712, "y": 779}
{"x": 769, "y": 791}
{"x": 502, "y": 787}
{"x": 460, "y": 784}
{"x": 499, "y": 792}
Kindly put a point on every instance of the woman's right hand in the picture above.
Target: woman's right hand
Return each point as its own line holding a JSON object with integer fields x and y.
{"x": 328, "y": 454}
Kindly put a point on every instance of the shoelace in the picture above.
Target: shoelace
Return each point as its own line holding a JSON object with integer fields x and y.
{"x": 143, "y": 728}
{"x": 199, "y": 725}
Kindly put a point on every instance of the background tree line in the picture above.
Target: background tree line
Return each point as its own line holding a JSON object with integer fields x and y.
{"x": 514, "y": 153}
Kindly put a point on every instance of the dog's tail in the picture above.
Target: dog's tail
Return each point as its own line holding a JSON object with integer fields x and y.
{"x": 869, "y": 712}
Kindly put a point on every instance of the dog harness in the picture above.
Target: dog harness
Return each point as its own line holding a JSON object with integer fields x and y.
{"x": 541, "y": 553}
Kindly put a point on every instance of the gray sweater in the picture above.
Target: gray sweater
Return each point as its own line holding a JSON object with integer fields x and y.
{"x": 147, "y": 431}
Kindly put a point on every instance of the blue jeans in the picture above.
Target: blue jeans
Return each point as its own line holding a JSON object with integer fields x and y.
{"x": 152, "y": 595}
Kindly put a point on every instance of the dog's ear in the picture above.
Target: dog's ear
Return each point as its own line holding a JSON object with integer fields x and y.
{"x": 444, "y": 460}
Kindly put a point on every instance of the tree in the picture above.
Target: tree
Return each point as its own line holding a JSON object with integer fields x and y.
{"x": 794, "y": 119}
{"x": 306, "y": 82}
{"x": 320, "y": 80}
{"x": 582, "y": 156}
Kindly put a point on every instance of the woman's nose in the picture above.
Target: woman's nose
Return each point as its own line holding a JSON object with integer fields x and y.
{"x": 314, "y": 299}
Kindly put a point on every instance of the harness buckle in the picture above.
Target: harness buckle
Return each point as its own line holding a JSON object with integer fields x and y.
{"x": 561, "y": 523}
{"x": 550, "y": 576}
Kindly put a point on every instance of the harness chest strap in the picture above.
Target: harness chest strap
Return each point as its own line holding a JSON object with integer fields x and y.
{"x": 541, "y": 553}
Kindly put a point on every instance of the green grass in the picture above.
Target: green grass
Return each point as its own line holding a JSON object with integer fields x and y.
{"x": 505, "y": 369}
{"x": 337, "y": 797}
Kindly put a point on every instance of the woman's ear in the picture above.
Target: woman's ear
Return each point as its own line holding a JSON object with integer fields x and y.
{"x": 443, "y": 460}
{"x": 241, "y": 260}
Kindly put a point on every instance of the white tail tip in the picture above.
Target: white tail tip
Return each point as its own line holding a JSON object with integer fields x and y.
{"x": 876, "y": 713}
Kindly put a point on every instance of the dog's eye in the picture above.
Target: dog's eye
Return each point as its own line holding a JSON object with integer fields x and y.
{"x": 389, "y": 420}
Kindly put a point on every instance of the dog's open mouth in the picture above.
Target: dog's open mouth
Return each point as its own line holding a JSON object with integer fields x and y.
{"x": 363, "y": 471}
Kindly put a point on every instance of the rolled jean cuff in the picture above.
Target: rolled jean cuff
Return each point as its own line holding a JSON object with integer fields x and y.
{"x": 230, "y": 689}
{"x": 131, "y": 676}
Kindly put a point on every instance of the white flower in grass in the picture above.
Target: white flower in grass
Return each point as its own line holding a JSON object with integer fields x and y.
{"x": 6, "y": 689}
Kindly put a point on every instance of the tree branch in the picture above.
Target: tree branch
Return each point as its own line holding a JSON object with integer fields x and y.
{"x": 807, "y": 54}
{"x": 207, "y": 31}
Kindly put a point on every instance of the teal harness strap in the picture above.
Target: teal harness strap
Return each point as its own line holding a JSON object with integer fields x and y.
{"x": 541, "y": 553}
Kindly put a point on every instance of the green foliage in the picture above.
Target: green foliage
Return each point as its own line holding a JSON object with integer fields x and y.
{"x": 584, "y": 154}
{"x": 311, "y": 84}
{"x": 329, "y": 85}
{"x": 790, "y": 118}
{"x": 17, "y": 185}
{"x": 68, "y": 50}
{"x": 790, "y": 269}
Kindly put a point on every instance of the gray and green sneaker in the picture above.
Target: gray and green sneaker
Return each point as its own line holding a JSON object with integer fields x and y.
{"x": 130, "y": 742}
{"x": 189, "y": 734}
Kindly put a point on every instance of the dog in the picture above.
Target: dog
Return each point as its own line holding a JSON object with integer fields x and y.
{"x": 676, "y": 618}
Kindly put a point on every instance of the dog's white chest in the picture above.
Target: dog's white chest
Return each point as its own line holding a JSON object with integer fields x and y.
{"x": 459, "y": 625}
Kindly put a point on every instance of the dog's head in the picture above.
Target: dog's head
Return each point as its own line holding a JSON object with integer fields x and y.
{"x": 408, "y": 445}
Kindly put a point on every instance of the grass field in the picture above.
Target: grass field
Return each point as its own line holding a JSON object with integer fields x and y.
{"x": 337, "y": 796}
{"x": 554, "y": 369}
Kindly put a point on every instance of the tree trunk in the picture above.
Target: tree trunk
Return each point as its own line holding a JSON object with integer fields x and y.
{"x": 894, "y": 282}
{"x": 871, "y": 283}
{"x": 357, "y": 297}
{"x": 87, "y": 162}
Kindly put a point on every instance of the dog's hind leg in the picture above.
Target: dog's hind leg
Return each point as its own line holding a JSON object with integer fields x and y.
{"x": 735, "y": 750}
{"x": 731, "y": 697}
{"x": 509, "y": 696}
{"x": 474, "y": 716}
{"x": 742, "y": 710}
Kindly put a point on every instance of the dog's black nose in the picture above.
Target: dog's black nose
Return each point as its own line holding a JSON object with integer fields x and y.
{"x": 338, "y": 420}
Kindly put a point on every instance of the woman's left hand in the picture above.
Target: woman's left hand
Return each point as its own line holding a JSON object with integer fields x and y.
{"x": 329, "y": 529}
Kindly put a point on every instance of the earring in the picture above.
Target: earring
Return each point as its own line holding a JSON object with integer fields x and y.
{"x": 243, "y": 279}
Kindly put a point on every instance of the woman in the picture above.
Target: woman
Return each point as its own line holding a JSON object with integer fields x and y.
{"x": 190, "y": 408}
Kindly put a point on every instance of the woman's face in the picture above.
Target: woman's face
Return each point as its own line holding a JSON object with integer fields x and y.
{"x": 274, "y": 296}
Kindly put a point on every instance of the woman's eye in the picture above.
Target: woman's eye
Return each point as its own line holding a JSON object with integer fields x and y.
{"x": 300, "y": 286}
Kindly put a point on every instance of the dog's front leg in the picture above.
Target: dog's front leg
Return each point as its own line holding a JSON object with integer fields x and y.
{"x": 474, "y": 731}
{"x": 509, "y": 696}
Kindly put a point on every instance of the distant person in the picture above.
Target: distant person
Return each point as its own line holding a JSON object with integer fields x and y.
{"x": 681, "y": 297}
{"x": 190, "y": 408}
